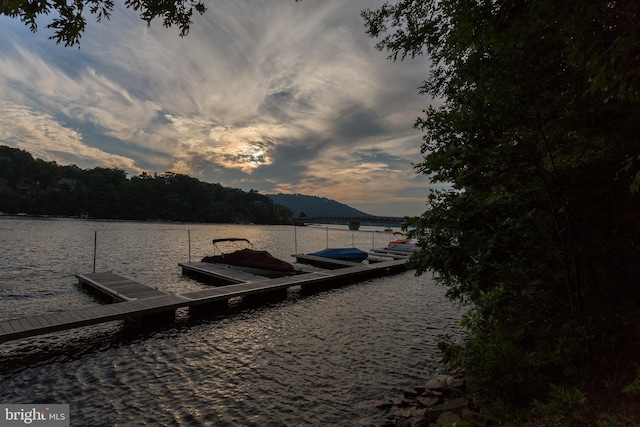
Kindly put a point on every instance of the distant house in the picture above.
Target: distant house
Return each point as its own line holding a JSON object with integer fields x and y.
{"x": 68, "y": 184}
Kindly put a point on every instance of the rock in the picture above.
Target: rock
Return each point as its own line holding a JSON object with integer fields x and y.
{"x": 455, "y": 383}
{"x": 450, "y": 405}
{"x": 475, "y": 418}
{"x": 408, "y": 394}
{"x": 419, "y": 390}
{"x": 412, "y": 412}
{"x": 449, "y": 419}
{"x": 436, "y": 383}
{"x": 442, "y": 400}
{"x": 400, "y": 402}
{"x": 382, "y": 404}
{"x": 427, "y": 401}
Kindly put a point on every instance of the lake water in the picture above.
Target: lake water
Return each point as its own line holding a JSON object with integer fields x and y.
{"x": 320, "y": 359}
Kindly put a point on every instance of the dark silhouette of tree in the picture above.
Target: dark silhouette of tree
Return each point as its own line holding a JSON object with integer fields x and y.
{"x": 69, "y": 18}
{"x": 536, "y": 129}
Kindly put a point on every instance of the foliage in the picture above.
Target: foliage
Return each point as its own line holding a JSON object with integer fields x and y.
{"x": 633, "y": 388}
{"x": 534, "y": 123}
{"x": 69, "y": 19}
{"x": 38, "y": 187}
{"x": 563, "y": 405}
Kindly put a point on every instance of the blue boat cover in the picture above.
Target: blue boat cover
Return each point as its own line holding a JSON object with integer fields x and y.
{"x": 347, "y": 254}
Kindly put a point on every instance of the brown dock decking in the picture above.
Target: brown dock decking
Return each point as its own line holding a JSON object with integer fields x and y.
{"x": 119, "y": 287}
{"x": 218, "y": 272}
{"x": 140, "y": 300}
{"x": 323, "y": 262}
{"x": 53, "y": 322}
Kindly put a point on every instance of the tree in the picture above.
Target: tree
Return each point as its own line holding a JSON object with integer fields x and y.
{"x": 536, "y": 130}
{"x": 70, "y": 17}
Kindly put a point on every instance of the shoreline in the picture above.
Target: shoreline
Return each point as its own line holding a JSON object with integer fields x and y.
{"x": 441, "y": 401}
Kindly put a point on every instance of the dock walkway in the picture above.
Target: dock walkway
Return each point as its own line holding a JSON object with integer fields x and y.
{"x": 324, "y": 262}
{"x": 119, "y": 287}
{"x": 206, "y": 269}
{"x": 138, "y": 300}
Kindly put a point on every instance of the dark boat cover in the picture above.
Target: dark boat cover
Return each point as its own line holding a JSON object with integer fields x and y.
{"x": 251, "y": 258}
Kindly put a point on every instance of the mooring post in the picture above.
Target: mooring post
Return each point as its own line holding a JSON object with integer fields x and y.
{"x": 327, "y": 237}
{"x": 95, "y": 245}
{"x": 189, "y": 235}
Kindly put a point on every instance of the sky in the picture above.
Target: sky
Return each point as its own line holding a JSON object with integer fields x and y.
{"x": 269, "y": 95}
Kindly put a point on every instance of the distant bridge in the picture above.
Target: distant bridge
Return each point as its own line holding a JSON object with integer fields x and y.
{"x": 354, "y": 222}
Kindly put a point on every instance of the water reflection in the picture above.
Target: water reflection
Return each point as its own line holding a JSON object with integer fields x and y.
{"x": 308, "y": 360}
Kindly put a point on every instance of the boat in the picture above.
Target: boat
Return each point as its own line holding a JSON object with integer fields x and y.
{"x": 344, "y": 254}
{"x": 399, "y": 248}
{"x": 401, "y": 244}
{"x": 249, "y": 260}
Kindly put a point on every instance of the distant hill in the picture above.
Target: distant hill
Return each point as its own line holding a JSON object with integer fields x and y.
{"x": 314, "y": 205}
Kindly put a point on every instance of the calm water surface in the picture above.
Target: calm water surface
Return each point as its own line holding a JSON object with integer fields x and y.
{"x": 320, "y": 359}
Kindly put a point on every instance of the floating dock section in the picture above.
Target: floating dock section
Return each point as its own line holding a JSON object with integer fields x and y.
{"x": 119, "y": 287}
{"x": 323, "y": 262}
{"x": 136, "y": 300}
{"x": 386, "y": 253}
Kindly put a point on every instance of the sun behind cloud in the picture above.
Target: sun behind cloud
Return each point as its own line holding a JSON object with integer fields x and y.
{"x": 208, "y": 145}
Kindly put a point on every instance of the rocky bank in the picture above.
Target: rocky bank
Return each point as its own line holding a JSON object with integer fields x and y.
{"x": 441, "y": 402}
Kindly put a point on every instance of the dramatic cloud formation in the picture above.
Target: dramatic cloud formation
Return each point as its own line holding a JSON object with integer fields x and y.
{"x": 274, "y": 96}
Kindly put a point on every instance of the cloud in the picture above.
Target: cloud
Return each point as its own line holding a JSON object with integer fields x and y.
{"x": 272, "y": 96}
{"x": 46, "y": 138}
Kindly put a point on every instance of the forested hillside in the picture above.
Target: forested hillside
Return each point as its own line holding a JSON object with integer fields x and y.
{"x": 38, "y": 187}
{"x": 302, "y": 205}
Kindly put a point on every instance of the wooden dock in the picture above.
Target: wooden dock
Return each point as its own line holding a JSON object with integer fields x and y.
{"x": 137, "y": 300}
{"x": 119, "y": 287}
{"x": 217, "y": 273}
{"x": 324, "y": 262}
{"x": 390, "y": 253}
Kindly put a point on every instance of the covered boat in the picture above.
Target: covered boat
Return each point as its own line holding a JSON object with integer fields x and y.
{"x": 402, "y": 244}
{"x": 399, "y": 248}
{"x": 250, "y": 260}
{"x": 345, "y": 254}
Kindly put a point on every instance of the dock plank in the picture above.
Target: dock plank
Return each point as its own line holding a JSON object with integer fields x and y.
{"x": 324, "y": 262}
{"x": 219, "y": 272}
{"x": 39, "y": 321}
{"x": 15, "y": 325}
{"x": 24, "y": 323}
{"x": 118, "y": 286}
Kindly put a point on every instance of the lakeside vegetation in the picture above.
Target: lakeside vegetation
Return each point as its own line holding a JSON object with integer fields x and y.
{"x": 38, "y": 187}
{"x": 535, "y": 123}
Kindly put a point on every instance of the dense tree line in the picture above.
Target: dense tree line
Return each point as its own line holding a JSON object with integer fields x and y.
{"x": 536, "y": 127}
{"x": 38, "y": 187}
